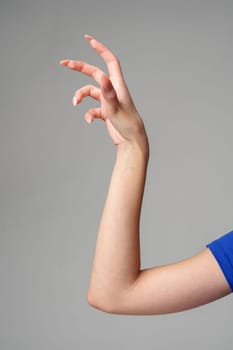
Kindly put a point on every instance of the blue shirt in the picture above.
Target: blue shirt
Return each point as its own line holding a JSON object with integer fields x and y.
{"x": 222, "y": 249}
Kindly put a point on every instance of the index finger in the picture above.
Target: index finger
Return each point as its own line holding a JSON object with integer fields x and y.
{"x": 109, "y": 58}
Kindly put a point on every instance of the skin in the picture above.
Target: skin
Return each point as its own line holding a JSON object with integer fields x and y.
{"x": 117, "y": 284}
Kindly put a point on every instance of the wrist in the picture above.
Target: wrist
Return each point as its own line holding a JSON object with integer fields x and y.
{"x": 133, "y": 153}
{"x": 138, "y": 147}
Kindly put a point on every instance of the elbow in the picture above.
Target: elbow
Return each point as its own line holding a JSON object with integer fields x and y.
{"x": 92, "y": 301}
{"x": 108, "y": 305}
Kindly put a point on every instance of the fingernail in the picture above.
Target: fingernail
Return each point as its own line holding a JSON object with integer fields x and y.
{"x": 75, "y": 101}
{"x": 64, "y": 62}
{"x": 89, "y": 37}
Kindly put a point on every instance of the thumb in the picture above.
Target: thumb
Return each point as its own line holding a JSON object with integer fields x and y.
{"x": 108, "y": 92}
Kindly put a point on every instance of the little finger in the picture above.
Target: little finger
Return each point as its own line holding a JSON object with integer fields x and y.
{"x": 93, "y": 113}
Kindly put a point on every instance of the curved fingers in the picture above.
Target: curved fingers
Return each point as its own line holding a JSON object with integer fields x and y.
{"x": 93, "y": 113}
{"x": 85, "y": 91}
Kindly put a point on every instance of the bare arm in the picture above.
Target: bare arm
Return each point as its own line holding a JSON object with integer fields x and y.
{"x": 117, "y": 284}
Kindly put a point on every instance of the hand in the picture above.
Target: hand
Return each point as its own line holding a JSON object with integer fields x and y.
{"x": 116, "y": 106}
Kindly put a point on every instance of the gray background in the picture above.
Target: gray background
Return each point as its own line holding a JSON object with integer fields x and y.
{"x": 55, "y": 169}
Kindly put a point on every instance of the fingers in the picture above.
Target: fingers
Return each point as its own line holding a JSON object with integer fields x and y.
{"x": 88, "y": 90}
{"x": 108, "y": 90}
{"x": 85, "y": 68}
{"x": 108, "y": 93}
{"x": 93, "y": 113}
{"x": 109, "y": 58}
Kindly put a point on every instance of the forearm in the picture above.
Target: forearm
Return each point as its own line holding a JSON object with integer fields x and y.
{"x": 116, "y": 263}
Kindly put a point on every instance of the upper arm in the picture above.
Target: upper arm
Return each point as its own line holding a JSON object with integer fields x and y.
{"x": 176, "y": 287}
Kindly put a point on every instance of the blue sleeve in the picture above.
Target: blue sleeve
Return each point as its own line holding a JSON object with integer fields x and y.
{"x": 222, "y": 249}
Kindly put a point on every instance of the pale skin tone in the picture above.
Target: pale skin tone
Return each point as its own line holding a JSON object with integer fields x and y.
{"x": 118, "y": 285}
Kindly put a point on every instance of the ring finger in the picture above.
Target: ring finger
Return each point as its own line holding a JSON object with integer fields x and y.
{"x": 88, "y": 90}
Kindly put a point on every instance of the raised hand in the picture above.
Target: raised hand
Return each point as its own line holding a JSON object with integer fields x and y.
{"x": 116, "y": 105}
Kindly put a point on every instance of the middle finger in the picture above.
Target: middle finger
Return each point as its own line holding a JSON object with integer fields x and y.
{"x": 85, "y": 68}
